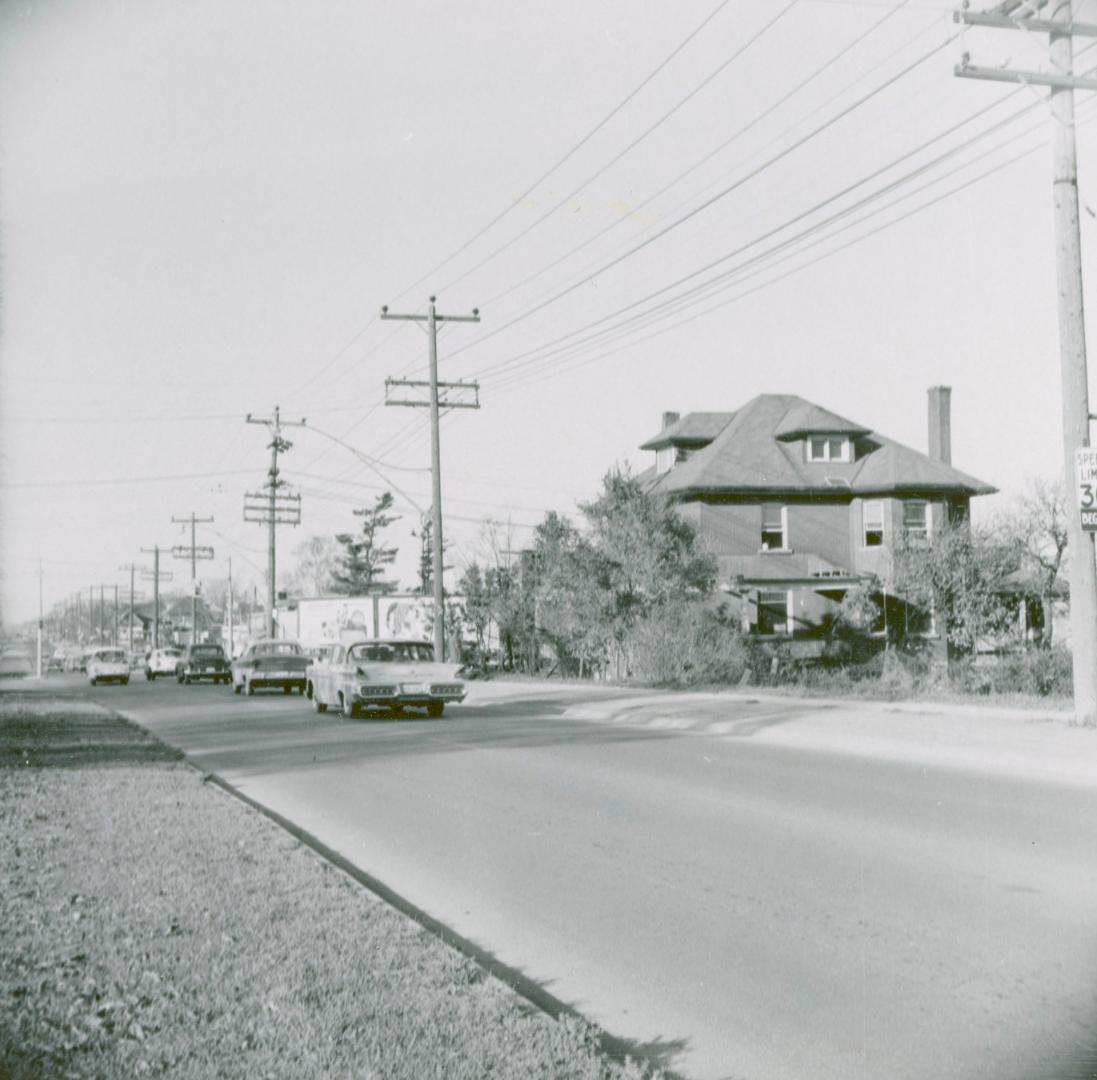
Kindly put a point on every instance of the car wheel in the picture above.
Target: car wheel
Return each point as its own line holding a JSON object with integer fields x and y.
{"x": 179, "y": 676}
{"x": 436, "y": 708}
{"x": 237, "y": 687}
{"x": 148, "y": 675}
{"x": 287, "y": 689}
{"x": 125, "y": 680}
{"x": 317, "y": 705}
{"x": 248, "y": 688}
{"x": 186, "y": 678}
{"x": 92, "y": 682}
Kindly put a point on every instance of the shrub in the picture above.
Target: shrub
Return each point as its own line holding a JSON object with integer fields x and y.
{"x": 1037, "y": 672}
{"x": 686, "y": 642}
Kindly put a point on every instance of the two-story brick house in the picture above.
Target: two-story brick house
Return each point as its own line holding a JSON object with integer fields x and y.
{"x": 800, "y": 504}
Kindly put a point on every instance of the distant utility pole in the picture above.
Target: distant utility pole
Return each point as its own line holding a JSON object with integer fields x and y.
{"x": 1061, "y": 30}
{"x": 39, "y": 618}
{"x": 194, "y": 553}
{"x": 273, "y": 507}
{"x": 132, "y": 568}
{"x": 156, "y": 577}
{"x": 232, "y": 615}
{"x": 432, "y": 319}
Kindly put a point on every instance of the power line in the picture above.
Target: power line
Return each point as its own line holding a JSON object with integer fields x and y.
{"x": 571, "y": 153}
{"x": 628, "y": 149}
{"x": 737, "y": 134}
{"x": 713, "y": 199}
{"x": 516, "y": 361}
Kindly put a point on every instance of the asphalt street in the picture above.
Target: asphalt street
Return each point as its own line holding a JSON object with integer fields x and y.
{"x": 745, "y": 897}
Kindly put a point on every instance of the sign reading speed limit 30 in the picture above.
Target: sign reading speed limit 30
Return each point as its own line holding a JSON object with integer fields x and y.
{"x": 1085, "y": 470}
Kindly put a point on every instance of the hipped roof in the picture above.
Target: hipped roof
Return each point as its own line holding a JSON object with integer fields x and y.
{"x": 752, "y": 453}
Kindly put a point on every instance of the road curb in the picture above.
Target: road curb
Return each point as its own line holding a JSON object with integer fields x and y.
{"x": 611, "y": 1046}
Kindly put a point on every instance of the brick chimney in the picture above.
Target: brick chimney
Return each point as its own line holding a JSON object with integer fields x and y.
{"x": 940, "y": 423}
{"x": 668, "y": 419}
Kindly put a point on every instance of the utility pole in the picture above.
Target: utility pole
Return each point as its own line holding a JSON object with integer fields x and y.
{"x": 1062, "y": 82}
{"x": 39, "y": 618}
{"x": 156, "y": 576}
{"x": 194, "y": 553}
{"x": 132, "y": 568}
{"x": 273, "y": 507}
{"x": 232, "y": 615}
{"x": 432, "y": 319}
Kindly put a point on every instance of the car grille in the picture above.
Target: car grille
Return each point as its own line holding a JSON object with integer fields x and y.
{"x": 446, "y": 689}
{"x": 378, "y": 691}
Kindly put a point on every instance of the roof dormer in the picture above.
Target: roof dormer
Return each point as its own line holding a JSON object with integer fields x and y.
{"x": 682, "y": 436}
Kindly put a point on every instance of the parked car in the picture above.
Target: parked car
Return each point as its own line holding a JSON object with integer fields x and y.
{"x": 392, "y": 675}
{"x": 203, "y": 662}
{"x": 16, "y": 662}
{"x": 162, "y": 662}
{"x": 108, "y": 665}
{"x": 270, "y": 663}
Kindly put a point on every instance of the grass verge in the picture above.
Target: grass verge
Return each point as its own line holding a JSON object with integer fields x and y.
{"x": 152, "y": 925}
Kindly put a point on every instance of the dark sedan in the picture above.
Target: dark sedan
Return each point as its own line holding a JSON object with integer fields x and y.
{"x": 203, "y": 662}
{"x": 271, "y": 663}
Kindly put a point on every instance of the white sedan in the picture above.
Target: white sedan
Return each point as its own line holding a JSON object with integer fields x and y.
{"x": 108, "y": 665}
{"x": 162, "y": 662}
{"x": 391, "y": 675}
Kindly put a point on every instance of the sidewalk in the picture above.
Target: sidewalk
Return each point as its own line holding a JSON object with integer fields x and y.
{"x": 1038, "y": 744}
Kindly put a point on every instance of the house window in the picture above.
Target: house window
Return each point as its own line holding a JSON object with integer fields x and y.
{"x": 872, "y": 516}
{"x": 916, "y": 519}
{"x": 774, "y": 527}
{"x": 773, "y": 616}
{"x": 957, "y": 512}
{"x": 828, "y": 448}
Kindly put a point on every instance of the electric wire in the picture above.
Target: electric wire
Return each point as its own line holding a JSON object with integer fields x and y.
{"x": 751, "y": 41}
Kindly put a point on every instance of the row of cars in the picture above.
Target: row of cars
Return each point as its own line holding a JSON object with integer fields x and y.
{"x": 349, "y": 678}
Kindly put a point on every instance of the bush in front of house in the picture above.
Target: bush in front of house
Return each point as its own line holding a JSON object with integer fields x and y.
{"x": 687, "y": 642}
{"x": 1034, "y": 672}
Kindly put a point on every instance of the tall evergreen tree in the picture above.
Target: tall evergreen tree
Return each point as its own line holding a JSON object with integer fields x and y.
{"x": 364, "y": 557}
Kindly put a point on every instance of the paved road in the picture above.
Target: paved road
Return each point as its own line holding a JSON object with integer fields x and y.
{"x": 738, "y": 904}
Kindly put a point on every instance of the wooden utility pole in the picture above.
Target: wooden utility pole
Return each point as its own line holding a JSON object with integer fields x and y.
{"x": 273, "y": 507}
{"x": 39, "y": 668}
{"x": 156, "y": 576}
{"x": 132, "y": 568}
{"x": 232, "y": 615}
{"x": 194, "y": 553}
{"x": 1062, "y": 82}
{"x": 432, "y": 319}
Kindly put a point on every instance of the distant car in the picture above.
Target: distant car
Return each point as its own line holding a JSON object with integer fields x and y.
{"x": 15, "y": 662}
{"x": 392, "y": 675}
{"x": 108, "y": 665}
{"x": 55, "y": 663}
{"x": 203, "y": 662}
{"x": 162, "y": 662}
{"x": 271, "y": 663}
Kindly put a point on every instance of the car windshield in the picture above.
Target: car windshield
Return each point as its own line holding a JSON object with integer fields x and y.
{"x": 398, "y": 652}
{"x": 170, "y": 652}
{"x": 111, "y": 656}
{"x": 207, "y": 650}
{"x": 278, "y": 648}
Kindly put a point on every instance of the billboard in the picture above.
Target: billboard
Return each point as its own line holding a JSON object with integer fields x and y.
{"x": 326, "y": 620}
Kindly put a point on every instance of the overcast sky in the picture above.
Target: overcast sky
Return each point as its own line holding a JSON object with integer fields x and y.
{"x": 204, "y": 205}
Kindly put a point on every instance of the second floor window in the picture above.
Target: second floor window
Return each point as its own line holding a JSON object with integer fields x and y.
{"x": 774, "y": 527}
{"x": 873, "y": 517}
{"x": 916, "y": 519}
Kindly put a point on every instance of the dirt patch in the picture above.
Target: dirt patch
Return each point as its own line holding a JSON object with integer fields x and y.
{"x": 152, "y": 925}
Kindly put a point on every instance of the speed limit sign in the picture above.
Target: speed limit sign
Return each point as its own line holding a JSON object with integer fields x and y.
{"x": 1085, "y": 470}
